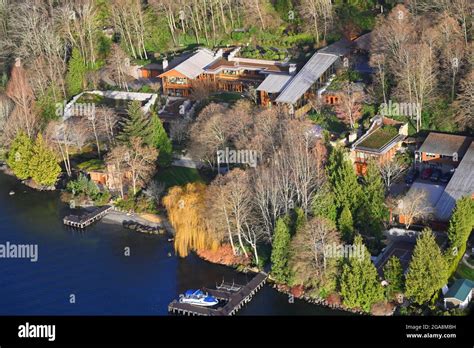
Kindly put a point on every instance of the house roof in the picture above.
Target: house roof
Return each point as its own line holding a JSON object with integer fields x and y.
{"x": 274, "y": 83}
{"x": 460, "y": 185}
{"x": 460, "y": 289}
{"x": 340, "y": 48}
{"x": 363, "y": 42}
{"x": 194, "y": 65}
{"x": 445, "y": 144}
{"x": 383, "y": 135}
{"x": 306, "y": 77}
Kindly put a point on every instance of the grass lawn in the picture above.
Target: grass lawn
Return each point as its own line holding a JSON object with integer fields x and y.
{"x": 329, "y": 122}
{"x": 464, "y": 272}
{"x": 92, "y": 165}
{"x": 173, "y": 176}
{"x": 226, "y": 97}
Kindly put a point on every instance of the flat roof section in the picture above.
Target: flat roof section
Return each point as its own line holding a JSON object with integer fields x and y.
{"x": 274, "y": 83}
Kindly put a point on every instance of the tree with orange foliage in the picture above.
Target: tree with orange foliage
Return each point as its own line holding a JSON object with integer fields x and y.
{"x": 185, "y": 206}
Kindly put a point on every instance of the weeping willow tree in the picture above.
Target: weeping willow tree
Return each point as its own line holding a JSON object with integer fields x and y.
{"x": 185, "y": 206}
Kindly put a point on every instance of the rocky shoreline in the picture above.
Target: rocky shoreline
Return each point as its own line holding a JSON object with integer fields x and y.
{"x": 318, "y": 301}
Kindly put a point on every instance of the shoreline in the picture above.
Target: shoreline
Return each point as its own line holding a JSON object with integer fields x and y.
{"x": 118, "y": 217}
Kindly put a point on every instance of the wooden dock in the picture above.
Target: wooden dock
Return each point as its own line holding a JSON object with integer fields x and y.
{"x": 87, "y": 219}
{"x": 233, "y": 299}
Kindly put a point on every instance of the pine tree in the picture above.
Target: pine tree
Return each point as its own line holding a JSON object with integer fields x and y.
{"x": 427, "y": 272}
{"x": 374, "y": 210}
{"x": 19, "y": 156}
{"x": 460, "y": 227}
{"x": 343, "y": 179}
{"x": 393, "y": 274}
{"x": 346, "y": 225}
{"x": 360, "y": 286}
{"x": 44, "y": 165}
{"x": 136, "y": 125}
{"x": 75, "y": 76}
{"x": 160, "y": 140}
{"x": 280, "y": 250}
{"x": 323, "y": 204}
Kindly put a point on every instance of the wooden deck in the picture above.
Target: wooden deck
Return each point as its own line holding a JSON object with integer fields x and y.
{"x": 87, "y": 219}
{"x": 233, "y": 300}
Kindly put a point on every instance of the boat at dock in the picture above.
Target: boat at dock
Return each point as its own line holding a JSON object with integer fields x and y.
{"x": 198, "y": 298}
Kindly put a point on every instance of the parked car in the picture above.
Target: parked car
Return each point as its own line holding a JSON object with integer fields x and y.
{"x": 426, "y": 173}
{"x": 436, "y": 175}
{"x": 411, "y": 176}
{"x": 446, "y": 177}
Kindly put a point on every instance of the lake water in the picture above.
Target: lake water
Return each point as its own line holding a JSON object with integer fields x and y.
{"x": 91, "y": 266}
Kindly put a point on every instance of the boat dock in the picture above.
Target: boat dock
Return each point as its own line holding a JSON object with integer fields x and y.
{"x": 234, "y": 298}
{"x": 87, "y": 219}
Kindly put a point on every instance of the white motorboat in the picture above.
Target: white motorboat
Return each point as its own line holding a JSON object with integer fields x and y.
{"x": 198, "y": 298}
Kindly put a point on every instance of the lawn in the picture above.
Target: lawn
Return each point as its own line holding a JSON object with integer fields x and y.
{"x": 226, "y": 97}
{"x": 173, "y": 176}
{"x": 464, "y": 272}
{"x": 92, "y": 165}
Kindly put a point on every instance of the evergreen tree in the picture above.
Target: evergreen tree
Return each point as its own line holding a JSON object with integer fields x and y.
{"x": 346, "y": 225}
{"x": 343, "y": 179}
{"x": 19, "y": 156}
{"x": 360, "y": 286}
{"x": 324, "y": 205}
{"x": 136, "y": 125}
{"x": 44, "y": 165}
{"x": 427, "y": 272}
{"x": 393, "y": 274}
{"x": 76, "y": 73}
{"x": 460, "y": 227}
{"x": 280, "y": 250}
{"x": 160, "y": 140}
{"x": 374, "y": 210}
{"x": 299, "y": 219}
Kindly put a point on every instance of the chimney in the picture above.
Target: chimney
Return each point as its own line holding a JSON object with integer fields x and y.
{"x": 232, "y": 54}
{"x": 219, "y": 53}
{"x": 165, "y": 64}
{"x": 18, "y": 62}
{"x": 292, "y": 69}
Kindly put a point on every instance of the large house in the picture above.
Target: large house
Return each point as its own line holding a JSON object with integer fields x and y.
{"x": 223, "y": 69}
{"x": 380, "y": 143}
{"x": 276, "y": 82}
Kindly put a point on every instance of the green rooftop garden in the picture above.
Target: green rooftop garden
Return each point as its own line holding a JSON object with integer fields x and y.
{"x": 379, "y": 137}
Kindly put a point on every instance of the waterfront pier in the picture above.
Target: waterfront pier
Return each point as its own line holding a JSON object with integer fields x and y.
{"x": 87, "y": 219}
{"x": 232, "y": 296}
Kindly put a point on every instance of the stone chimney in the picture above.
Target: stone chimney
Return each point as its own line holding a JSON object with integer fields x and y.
{"x": 165, "y": 64}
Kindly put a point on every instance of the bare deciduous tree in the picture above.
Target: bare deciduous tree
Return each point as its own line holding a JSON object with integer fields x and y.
{"x": 414, "y": 206}
{"x": 311, "y": 260}
{"x": 390, "y": 171}
{"x": 140, "y": 161}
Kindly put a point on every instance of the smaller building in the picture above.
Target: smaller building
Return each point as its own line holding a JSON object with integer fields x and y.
{"x": 380, "y": 143}
{"x": 459, "y": 294}
{"x": 442, "y": 151}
